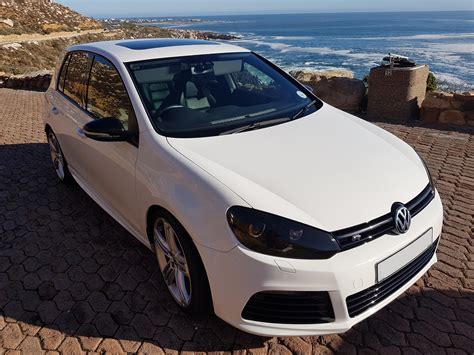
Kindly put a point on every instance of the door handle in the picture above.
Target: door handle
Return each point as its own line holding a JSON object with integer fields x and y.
{"x": 54, "y": 110}
{"x": 80, "y": 133}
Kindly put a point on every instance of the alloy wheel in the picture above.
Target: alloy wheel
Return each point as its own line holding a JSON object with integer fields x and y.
{"x": 172, "y": 262}
{"x": 56, "y": 155}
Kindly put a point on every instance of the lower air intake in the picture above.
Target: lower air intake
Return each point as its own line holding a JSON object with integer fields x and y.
{"x": 289, "y": 307}
{"x": 363, "y": 300}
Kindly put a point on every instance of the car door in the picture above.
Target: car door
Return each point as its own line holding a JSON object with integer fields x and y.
{"x": 108, "y": 168}
{"x": 67, "y": 105}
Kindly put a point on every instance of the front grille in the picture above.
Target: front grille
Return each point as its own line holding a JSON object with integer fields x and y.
{"x": 362, "y": 233}
{"x": 363, "y": 300}
{"x": 289, "y": 307}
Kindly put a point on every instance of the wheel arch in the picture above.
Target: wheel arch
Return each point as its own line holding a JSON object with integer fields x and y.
{"x": 151, "y": 213}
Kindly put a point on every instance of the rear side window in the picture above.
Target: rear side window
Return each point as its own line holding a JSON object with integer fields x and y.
{"x": 107, "y": 96}
{"x": 76, "y": 76}
{"x": 62, "y": 75}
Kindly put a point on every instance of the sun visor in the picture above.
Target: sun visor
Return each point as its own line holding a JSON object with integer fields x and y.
{"x": 156, "y": 74}
{"x": 227, "y": 67}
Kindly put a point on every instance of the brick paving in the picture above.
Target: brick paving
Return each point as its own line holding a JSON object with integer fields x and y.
{"x": 73, "y": 280}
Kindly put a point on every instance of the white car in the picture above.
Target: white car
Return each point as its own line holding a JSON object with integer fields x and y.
{"x": 281, "y": 214}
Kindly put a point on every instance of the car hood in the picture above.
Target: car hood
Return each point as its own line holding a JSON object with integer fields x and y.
{"x": 328, "y": 169}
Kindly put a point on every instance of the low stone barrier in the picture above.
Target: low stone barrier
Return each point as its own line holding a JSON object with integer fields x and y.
{"x": 448, "y": 108}
{"x": 337, "y": 88}
{"x": 37, "y": 81}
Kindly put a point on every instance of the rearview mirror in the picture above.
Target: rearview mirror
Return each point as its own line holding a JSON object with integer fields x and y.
{"x": 107, "y": 129}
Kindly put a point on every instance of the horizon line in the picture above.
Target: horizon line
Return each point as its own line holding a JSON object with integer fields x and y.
{"x": 282, "y": 13}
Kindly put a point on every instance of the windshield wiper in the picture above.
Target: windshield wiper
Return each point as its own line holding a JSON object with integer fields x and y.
{"x": 303, "y": 110}
{"x": 256, "y": 125}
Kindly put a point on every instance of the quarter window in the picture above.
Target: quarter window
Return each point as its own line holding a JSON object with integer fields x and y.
{"x": 106, "y": 96}
{"x": 62, "y": 75}
{"x": 76, "y": 77}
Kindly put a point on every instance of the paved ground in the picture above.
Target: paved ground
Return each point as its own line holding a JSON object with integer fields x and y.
{"x": 73, "y": 280}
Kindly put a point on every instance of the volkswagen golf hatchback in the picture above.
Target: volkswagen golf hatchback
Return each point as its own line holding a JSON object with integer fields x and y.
{"x": 281, "y": 214}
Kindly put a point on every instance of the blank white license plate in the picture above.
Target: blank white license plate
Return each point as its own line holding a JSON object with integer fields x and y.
{"x": 398, "y": 260}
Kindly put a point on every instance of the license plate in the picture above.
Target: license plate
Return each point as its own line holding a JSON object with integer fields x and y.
{"x": 398, "y": 260}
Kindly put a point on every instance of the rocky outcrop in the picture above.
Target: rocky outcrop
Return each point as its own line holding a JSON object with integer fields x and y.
{"x": 37, "y": 81}
{"x": 308, "y": 75}
{"x": 192, "y": 34}
{"x": 7, "y": 22}
{"x": 337, "y": 88}
{"x": 448, "y": 108}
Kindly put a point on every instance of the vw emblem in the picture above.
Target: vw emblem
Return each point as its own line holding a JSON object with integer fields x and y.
{"x": 401, "y": 217}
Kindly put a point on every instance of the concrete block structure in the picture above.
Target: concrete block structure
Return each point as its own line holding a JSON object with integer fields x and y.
{"x": 396, "y": 93}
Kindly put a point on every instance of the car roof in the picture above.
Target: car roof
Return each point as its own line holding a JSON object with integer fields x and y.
{"x": 155, "y": 48}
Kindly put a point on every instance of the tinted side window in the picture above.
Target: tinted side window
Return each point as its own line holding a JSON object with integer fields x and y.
{"x": 76, "y": 77}
{"x": 62, "y": 75}
{"x": 106, "y": 96}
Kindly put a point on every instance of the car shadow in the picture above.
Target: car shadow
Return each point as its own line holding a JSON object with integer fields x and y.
{"x": 67, "y": 266}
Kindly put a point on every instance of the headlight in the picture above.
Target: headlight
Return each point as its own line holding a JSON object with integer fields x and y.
{"x": 273, "y": 235}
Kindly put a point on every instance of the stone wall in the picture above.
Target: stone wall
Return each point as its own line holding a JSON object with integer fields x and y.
{"x": 448, "y": 108}
{"x": 36, "y": 81}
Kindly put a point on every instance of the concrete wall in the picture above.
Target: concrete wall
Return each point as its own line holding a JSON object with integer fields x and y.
{"x": 396, "y": 93}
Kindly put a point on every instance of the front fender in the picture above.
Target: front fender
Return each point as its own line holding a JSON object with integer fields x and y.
{"x": 167, "y": 179}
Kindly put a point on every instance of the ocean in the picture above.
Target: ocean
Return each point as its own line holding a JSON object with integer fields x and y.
{"x": 356, "y": 41}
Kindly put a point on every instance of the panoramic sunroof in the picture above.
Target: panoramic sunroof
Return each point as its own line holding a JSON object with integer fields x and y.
{"x": 161, "y": 43}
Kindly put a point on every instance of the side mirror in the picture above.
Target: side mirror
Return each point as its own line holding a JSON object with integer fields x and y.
{"x": 108, "y": 129}
{"x": 309, "y": 88}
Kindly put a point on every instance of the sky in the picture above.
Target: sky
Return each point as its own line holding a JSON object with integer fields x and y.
{"x": 159, "y": 8}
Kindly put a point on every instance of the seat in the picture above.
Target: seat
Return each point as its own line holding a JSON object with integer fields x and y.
{"x": 190, "y": 98}
{"x": 156, "y": 93}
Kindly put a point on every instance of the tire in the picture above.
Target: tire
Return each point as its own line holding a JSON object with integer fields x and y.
{"x": 192, "y": 292}
{"x": 57, "y": 157}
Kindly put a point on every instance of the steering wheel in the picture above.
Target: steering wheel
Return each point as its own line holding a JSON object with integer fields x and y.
{"x": 169, "y": 108}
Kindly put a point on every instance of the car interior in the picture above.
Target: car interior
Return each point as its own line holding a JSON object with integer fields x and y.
{"x": 210, "y": 92}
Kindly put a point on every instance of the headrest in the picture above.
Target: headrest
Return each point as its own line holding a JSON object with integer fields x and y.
{"x": 183, "y": 76}
{"x": 191, "y": 90}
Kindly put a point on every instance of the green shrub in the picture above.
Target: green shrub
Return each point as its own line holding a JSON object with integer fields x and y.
{"x": 431, "y": 82}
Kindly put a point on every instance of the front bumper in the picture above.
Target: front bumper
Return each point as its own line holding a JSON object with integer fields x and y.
{"x": 237, "y": 275}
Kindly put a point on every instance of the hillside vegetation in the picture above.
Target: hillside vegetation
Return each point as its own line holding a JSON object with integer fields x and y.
{"x": 19, "y": 16}
{"x": 21, "y": 53}
{"x": 31, "y": 56}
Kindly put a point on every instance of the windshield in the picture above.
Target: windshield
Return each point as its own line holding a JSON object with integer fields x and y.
{"x": 208, "y": 95}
